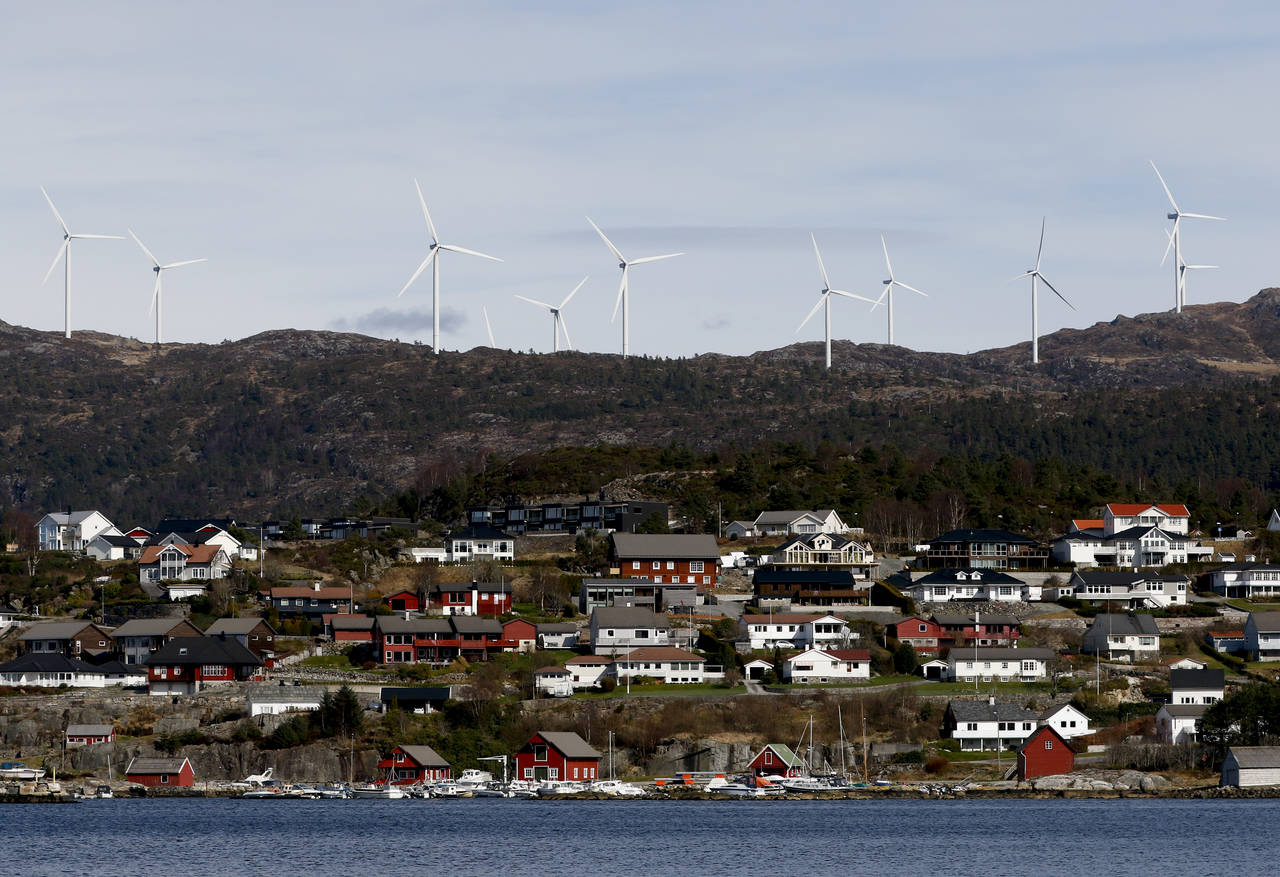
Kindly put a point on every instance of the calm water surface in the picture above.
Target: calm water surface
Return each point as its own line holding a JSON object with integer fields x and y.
{"x": 1020, "y": 838}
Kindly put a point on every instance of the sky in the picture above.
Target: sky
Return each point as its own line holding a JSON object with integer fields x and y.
{"x": 281, "y": 142}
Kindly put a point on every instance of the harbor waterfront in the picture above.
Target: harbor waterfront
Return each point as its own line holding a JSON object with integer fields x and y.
{"x": 991, "y": 837}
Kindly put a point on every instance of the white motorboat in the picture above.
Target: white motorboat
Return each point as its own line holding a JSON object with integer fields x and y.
{"x": 103, "y": 792}
{"x": 493, "y": 790}
{"x": 747, "y": 787}
{"x": 448, "y": 789}
{"x": 616, "y": 788}
{"x": 561, "y": 787}
{"x": 385, "y": 793}
{"x": 16, "y": 770}
{"x": 472, "y": 779}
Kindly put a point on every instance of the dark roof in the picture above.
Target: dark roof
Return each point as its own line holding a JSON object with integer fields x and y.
{"x": 984, "y": 711}
{"x": 148, "y": 627}
{"x": 1266, "y": 621}
{"x": 567, "y": 627}
{"x": 1181, "y": 680}
{"x": 767, "y": 576}
{"x": 1105, "y": 577}
{"x": 397, "y": 624}
{"x": 415, "y": 694}
{"x": 949, "y": 575}
{"x": 1140, "y": 531}
{"x": 191, "y": 650}
{"x": 1246, "y": 566}
{"x": 236, "y": 626}
{"x": 1256, "y": 756}
{"x": 54, "y": 630}
{"x": 351, "y": 622}
{"x": 475, "y": 624}
{"x": 425, "y": 756}
{"x": 117, "y": 541}
{"x": 481, "y": 587}
{"x": 1185, "y": 710}
{"x": 148, "y": 766}
{"x": 667, "y": 546}
{"x": 956, "y": 619}
{"x": 837, "y": 541}
{"x": 479, "y": 531}
{"x": 569, "y": 744}
{"x": 982, "y": 536}
{"x": 1127, "y": 624}
{"x": 48, "y": 662}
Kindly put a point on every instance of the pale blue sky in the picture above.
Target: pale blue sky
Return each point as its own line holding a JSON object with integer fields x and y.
{"x": 281, "y": 140}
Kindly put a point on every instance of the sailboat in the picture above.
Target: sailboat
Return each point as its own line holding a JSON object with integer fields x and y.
{"x": 811, "y": 782}
{"x": 614, "y": 786}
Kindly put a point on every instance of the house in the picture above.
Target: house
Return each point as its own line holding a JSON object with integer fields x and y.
{"x": 56, "y": 670}
{"x": 108, "y": 546}
{"x": 479, "y": 542}
{"x": 557, "y": 755}
{"x": 739, "y": 530}
{"x": 790, "y": 589}
{"x": 1229, "y": 642}
{"x": 615, "y": 630}
{"x": 160, "y": 772}
{"x": 586, "y": 671}
{"x": 311, "y": 602}
{"x": 923, "y": 635}
{"x": 1179, "y": 722}
{"x": 522, "y": 632}
{"x": 557, "y": 636}
{"x": 827, "y": 665}
{"x": 825, "y": 551}
{"x": 1045, "y": 753}
{"x": 1068, "y": 721}
{"x": 1131, "y": 548}
{"x": 1129, "y": 590}
{"x": 978, "y": 629}
{"x": 422, "y": 700}
{"x": 203, "y": 534}
{"x": 1184, "y": 663}
{"x": 252, "y": 633}
{"x": 1247, "y": 766}
{"x": 1196, "y": 686}
{"x": 137, "y": 638}
{"x": 658, "y": 596}
{"x": 192, "y": 664}
{"x": 666, "y": 558}
{"x": 984, "y": 549}
{"x": 982, "y": 725}
{"x": 1124, "y": 637}
{"x": 936, "y": 668}
{"x": 349, "y": 628}
{"x": 88, "y": 735}
{"x": 474, "y": 598}
{"x": 553, "y": 681}
{"x": 776, "y": 759}
{"x": 403, "y": 601}
{"x": 999, "y": 665}
{"x": 398, "y": 640}
{"x": 72, "y": 530}
{"x": 568, "y": 517}
{"x": 1262, "y": 636}
{"x": 1273, "y": 522}
{"x": 798, "y": 523}
{"x": 1250, "y": 580}
{"x": 183, "y": 563}
{"x": 662, "y": 664}
{"x": 967, "y": 583}
{"x": 791, "y": 630}
{"x": 274, "y": 700}
{"x": 1172, "y": 517}
{"x": 75, "y": 639}
{"x": 411, "y": 765}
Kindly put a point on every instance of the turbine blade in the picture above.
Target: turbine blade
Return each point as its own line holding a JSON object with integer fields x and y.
{"x": 455, "y": 249}
{"x": 421, "y": 268}
{"x": 62, "y": 249}
{"x": 822, "y": 298}
{"x": 826, "y": 284}
{"x": 105, "y": 237}
{"x": 180, "y": 264}
{"x": 534, "y": 301}
{"x": 608, "y": 243}
{"x": 1201, "y": 266}
{"x": 155, "y": 294}
{"x": 154, "y": 260}
{"x": 654, "y": 258}
{"x": 431, "y": 226}
{"x": 488, "y": 328}
{"x": 1020, "y": 276}
{"x": 1055, "y": 291}
{"x": 1172, "y": 235}
{"x": 1166, "y": 188}
{"x": 56, "y": 214}
{"x": 1040, "y": 251}
{"x": 880, "y": 300}
{"x": 1205, "y": 216}
{"x": 575, "y": 292}
{"x": 887, "y": 263}
{"x": 622, "y": 287}
{"x": 869, "y": 301}
{"x": 912, "y": 288}
{"x": 564, "y": 327}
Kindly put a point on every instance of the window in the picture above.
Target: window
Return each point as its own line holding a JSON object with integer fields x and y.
{"x": 924, "y": 628}
{"x": 553, "y": 773}
{"x": 657, "y": 580}
{"x": 1048, "y": 744}
{"x": 671, "y": 564}
{"x": 539, "y": 751}
{"x": 528, "y": 773}
{"x": 657, "y": 564}
{"x": 706, "y": 580}
{"x": 696, "y": 566}
{"x": 575, "y": 773}
{"x": 635, "y": 564}
{"x": 164, "y": 779}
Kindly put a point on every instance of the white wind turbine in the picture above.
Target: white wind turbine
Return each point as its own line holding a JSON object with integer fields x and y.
{"x": 1175, "y": 243}
{"x": 433, "y": 259}
{"x": 1183, "y": 268}
{"x": 65, "y": 250}
{"x": 558, "y": 324}
{"x": 824, "y": 299}
{"x": 157, "y": 297}
{"x": 487, "y": 327}
{"x": 888, "y": 288}
{"x": 1035, "y": 276}
{"x": 623, "y": 293}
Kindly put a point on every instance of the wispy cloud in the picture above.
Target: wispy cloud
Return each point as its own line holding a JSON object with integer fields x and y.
{"x": 388, "y": 321}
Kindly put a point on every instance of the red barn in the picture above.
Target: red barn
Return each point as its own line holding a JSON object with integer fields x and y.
{"x": 557, "y": 755}
{"x": 777, "y": 758}
{"x": 1045, "y": 753}
{"x": 408, "y": 765}
{"x": 403, "y": 601}
{"x": 160, "y": 772}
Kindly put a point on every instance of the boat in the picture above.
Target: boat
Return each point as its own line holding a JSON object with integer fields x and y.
{"x": 382, "y": 792}
{"x": 16, "y": 770}
{"x": 472, "y": 779}
{"x": 103, "y": 792}
{"x": 747, "y": 787}
{"x": 493, "y": 790}
{"x": 560, "y": 787}
{"x": 448, "y": 789}
{"x": 616, "y": 788}
{"x": 333, "y": 791}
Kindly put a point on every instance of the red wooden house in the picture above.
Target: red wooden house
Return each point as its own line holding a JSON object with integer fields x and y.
{"x": 1045, "y": 753}
{"x": 523, "y": 633}
{"x": 191, "y": 664}
{"x": 89, "y": 735}
{"x": 557, "y": 755}
{"x": 349, "y": 628}
{"x": 403, "y": 601}
{"x": 160, "y": 772}
{"x": 776, "y": 758}
{"x": 925, "y": 636}
{"x": 472, "y": 598}
{"x": 667, "y": 558}
{"x": 409, "y": 765}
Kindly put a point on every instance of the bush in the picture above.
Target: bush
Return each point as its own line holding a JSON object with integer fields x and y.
{"x": 937, "y": 765}
{"x": 608, "y": 684}
{"x": 246, "y": 731}
{"x": 949, "y": 744}
{"x": 915, "y": 756}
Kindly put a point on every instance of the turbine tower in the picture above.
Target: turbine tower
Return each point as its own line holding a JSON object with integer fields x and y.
{"x": 558, "y": 324}
{"x": 888, "y": 288}
{"x": 1035, "y": 276}
{"x": 433, "y": 259}
{"x": 624, "y": 299}
{"x": 1183, "y": 268}
{"x": 65, "y": 250}
{"x": 824, "y": 299}
{"x": 1175, "y": 243}
{"x": 157, "y": 297}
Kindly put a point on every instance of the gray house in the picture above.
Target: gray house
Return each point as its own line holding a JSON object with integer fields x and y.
{"x": 1251, "y": 766}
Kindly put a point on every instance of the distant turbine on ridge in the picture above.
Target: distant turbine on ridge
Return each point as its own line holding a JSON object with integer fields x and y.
{"x": 65, "y": 249}
{"x": 824, "y": 299}
{"x": 1035, "y": 275}
{"x": 157, "y": 297}
{"x": 558, "y": 324}
{"x": 1175, "y": 243}
{"x": 888, "y": 288}
{"x": 487, "y": 327}
{"x": 1183, "y": 268}
{"x": 624, "y": 294}
{"x": 434, "y": 261}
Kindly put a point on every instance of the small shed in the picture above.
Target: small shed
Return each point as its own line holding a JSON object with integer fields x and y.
{"x": 1251, "y": 766}
{"x": 776, "y": 759}
{"x": 1045, "y": 753}
{"x": 160, "y": 772}
{"x": 89, "y": 735}
{"x": 553, "y": 681}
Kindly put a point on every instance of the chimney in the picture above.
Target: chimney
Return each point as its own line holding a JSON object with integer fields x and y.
{"x": 475, "y": 597}
{"x": 991, "y": 701}
{"x": 315, "y": 586}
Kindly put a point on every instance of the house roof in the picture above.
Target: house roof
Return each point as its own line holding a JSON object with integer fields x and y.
{"x": 951, "y": 575}
{"x": 767, "y": 576}
{"x": 147, "y": 627}
{"x": 1132, "y": 533}
{"x": 425, "y": 756}
{"x": 463, "y": 587}
{"x": 49, "y": 662}
{"x": 956, "y": 619}
{"x": 1266, "y": 621}
{"x": 1113, "y": 577}
{"x": 983, "y": 535}
{"x": 54, "y": 630}
{"x": 787, "y": 516}
{"x": 1129, "y": 509}
{"x": 744, "y": 525}
{"x": 89, "y": 730}
{"x": 397, "y": 624}
{"x": 984, "y": 711}
{"x": 329, "y": 592}
{"x": 667, "y": 546}
{"x": 1227, "y": 634}
{"x": 588, "y": 659}
{"x": 569, "y": 744}
{"x": 475, "y": 624}
{"x": 1001, "y": 654}
{"x": 194, "y": 650}
{"x": 1054, "y": 710}
{"x": 349, "y": 622}
{"x": 628, "y": 616}
{"x": 1185, "y": 710}
{"x": 479, "y": 531}
{"x": 551, "y": 671}
{"x": 73, "y": 517}
{"x": 236, "y": 626}
{"x": 784, "y": 753}
{"x": 117, "y": 541}
{"x": 1247, "y": 566}
{"x": 194, "y": 553}
{"x": 661, "y": 653}
{"x": 1126, "y": 624}
{"x": 285, "y": 694}
{"x": 557, "y": 628}
{"x": 1256, "y": 756}
{"x": 783, "y": 618}
{"x": 838, "y": 542}
{"x": 1088, "y": 523}
{"x": 847, "y": 654}
{"x": 148, "y": 766}
{"x": 1182, "y": 680}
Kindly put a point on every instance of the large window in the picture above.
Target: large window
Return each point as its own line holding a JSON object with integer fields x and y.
{"x": 696, "y": 566}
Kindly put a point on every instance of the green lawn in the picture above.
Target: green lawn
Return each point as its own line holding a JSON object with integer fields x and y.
{"x": 874, "y": 682}
{"x": 1247, "y": 606}
{"x": 659, "y": 690}
{"x": 328, "y": 662}
{"x": 959, "y": 688}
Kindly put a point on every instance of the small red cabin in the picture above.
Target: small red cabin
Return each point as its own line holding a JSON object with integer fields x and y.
{"x": 523, "y": 633}
{"x": 415, "y": 764}
{"x": 403, "y": 601}
{"x": 776, "y": 758}
{"x": 160, "y": 772}
{"x": 1045, "y": 753}
{"x": 557, "y": 755}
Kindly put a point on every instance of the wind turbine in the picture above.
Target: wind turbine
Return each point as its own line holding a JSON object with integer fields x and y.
{"x": 65, "y": 250}
{"x": 824, "y": 299}
{"x": 157, "y": 297}
{"x": 1035, "y": 276}
{"x": 558, "y": 324}
{"x": 434, "y": 261}
{"x": 487, "y": 327}
{"x": 1183, "y": 268}
{"x": 888, "y": 288}
{"x": 623, "y": 292}
{"x": 1175, "y": 242}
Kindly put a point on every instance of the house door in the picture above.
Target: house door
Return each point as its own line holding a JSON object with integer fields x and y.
{"x": 540, "y": 773}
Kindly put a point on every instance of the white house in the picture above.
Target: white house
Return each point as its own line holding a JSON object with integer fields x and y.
{"x": 72, "y": 531}
{"x": 1170, "y": 517}
{"x": 990, "y": 585}
{"x": 793, "y": 631}
{"x": 825, "y": 551}
{"x": 556, "y": 636}
{"x": 587, "y": 671}
{"x": 663, "y": 663}
{"x": 553, "y": 681}
{"x": 435, "y": 555}
{"x": 827, "y": 665}
{"x": 1262, "y": 636}
{"x": 1179, "y": 722}
{"x": 1129, "y": 590}
{"x": 1247, "y": 580}
{"x": 618, "y": 629}
{"x": 183, "y": 563}
{"x": 479, "y": 542}
{"x": 798, "y": 522}
{"x": 106, "y": 547}
{"x": 1196, "y": 686}
{"x": 273, "y": 700}
{"x": 1123, "y": 637}
{"x": 209, "y": 534}
{"x": 983, "y": 725}
{"x": 998, "y": 664}
{"x": 1131, "y": 535}
{"x": 47, "y": 670}
{"x": 1066, "y": 720}
{"x": 1251, "y": 766}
